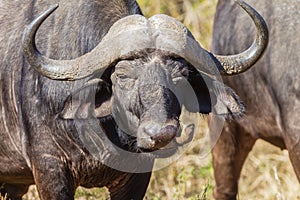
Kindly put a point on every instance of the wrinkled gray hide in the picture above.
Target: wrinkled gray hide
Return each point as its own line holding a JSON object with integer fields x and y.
{"x": 270, "y": 90}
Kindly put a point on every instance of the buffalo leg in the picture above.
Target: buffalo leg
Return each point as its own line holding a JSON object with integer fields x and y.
{"x": 2, "y": 190}
{"x": 229, "y": 155}
{"x": 295, "y": 160}
{"x": 13, "y": 191}
{"x": 134, "y": 189}
{"x": 53, "y": 179}
{"x": 293, "y": 147}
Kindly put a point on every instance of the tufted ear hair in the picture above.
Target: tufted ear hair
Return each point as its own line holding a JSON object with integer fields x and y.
{"x": 93, "y": 99}
{"x": 214, "y": 96}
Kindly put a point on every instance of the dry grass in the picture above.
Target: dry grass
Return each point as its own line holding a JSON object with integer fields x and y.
{"x": 267, "y": 174}
{"x": 197, "y": 15}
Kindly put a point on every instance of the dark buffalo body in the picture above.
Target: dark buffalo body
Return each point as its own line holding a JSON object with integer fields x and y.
{"x": 129, "y": 86}
{"x": 30, "y": 102}
{"x": 270, "y": 91}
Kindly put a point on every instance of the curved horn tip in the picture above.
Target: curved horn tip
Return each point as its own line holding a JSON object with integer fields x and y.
{"x": 240, "y": 2}
{"x": 53, "y": 7}
{"x": 236, "y": 64}
{"x": 48, "y": 12}
{"x": 35, "y": 24}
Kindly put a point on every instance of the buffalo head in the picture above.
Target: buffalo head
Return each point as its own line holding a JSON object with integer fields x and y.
{"x": 142, "y": 70}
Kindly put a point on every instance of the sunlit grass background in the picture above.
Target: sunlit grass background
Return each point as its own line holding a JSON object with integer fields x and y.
{"x": 267, "y": 173}
{"x": 197, "y": 15}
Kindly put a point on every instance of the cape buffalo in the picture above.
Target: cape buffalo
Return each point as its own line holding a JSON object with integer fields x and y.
{"x": 101, "y": 94}
{"x": 270, "y": 91}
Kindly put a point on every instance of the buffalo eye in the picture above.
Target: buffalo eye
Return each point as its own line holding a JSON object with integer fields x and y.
{"x": 122, "y": 76}
{"x": 125, "y": 81}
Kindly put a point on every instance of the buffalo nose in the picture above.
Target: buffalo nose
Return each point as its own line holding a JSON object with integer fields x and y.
{"x": 160, "y": 135}
{"x": 152, "y": 129}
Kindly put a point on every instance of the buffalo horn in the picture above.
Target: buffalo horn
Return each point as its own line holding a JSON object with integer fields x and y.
{"x": 122, "y": 39}
{"x": 135, "y": 33}
{"x": 235, "y": 64}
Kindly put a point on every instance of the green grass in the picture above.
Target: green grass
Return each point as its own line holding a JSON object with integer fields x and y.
{"x": 91, "y": 194}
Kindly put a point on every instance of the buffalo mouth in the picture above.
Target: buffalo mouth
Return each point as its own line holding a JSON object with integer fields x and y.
{"x": 163, "y": 137}
{"x": 157, "y": 140}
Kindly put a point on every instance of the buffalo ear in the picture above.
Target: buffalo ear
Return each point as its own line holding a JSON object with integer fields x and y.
{"x": 92, "y": 100}
{"x": 214, "y": 96}
{"x": 228, "y": 103}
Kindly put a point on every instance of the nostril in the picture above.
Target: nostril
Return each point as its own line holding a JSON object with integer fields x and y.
{"x": 169, "y": 130}
{"x": 159, "y": 133}
{"x": 155, "y": 135}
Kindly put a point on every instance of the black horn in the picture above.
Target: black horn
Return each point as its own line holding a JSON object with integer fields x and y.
{"x": 131, "y": 31}
{"x": 235, "y": 64}
{"x": 135, "y": 33}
